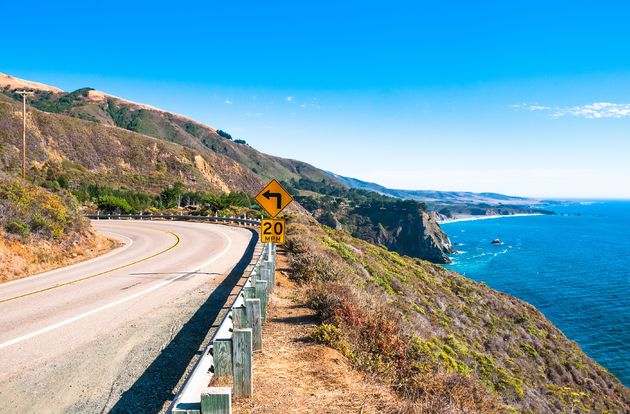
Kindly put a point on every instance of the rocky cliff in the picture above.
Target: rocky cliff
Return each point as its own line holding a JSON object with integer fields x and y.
{"x": 410, "y": 232}
{"x": 404, "y": 226}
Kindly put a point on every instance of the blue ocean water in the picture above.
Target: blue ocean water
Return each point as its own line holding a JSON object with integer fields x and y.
{"x": 573, "y": 266}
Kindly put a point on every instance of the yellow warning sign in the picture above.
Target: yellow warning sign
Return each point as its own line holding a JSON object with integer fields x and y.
{"x": 272, "y": 231}
{"x": 274, "y": 198}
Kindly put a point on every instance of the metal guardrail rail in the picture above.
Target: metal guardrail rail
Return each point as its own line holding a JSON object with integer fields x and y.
{"x": 189, "y": 398}
{"x": 186, "y": 217}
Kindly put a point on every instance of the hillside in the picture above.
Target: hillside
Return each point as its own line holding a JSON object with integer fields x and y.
{"x": 88, "y": 152}
{"x": 40, "y": 230}
{"x": 405, "y": 226}
{"x": 90, "y": 137}
{"x": 445, "y": 343}
{"x": 108, "y": 110}
{"x": 445, "y": 197}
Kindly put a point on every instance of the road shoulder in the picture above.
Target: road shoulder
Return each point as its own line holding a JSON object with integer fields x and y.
{"x": 293, "y": 374}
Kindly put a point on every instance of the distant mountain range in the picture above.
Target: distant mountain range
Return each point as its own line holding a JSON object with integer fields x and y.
{"x": 440, "y": 197}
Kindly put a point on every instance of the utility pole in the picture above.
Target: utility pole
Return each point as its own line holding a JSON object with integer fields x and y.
{"x": 24, "y": 95}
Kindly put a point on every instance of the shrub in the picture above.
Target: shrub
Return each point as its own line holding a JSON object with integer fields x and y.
{"x": 331, "y": 336}
{"x": 25, "y": 208}
{"x": 224, "y": 134}
{"x": 17, "y": 226}
{"x": 317, "y": 265}
{"x": 113, "y": 205}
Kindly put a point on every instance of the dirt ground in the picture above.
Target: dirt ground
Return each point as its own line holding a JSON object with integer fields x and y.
{"x": 294, "y": 375}
{"x": 18, "y": 260}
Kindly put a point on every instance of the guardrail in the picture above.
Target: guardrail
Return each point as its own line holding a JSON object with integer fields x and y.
{"x": 236, "y": 220}
{"x": 231, "y": 348}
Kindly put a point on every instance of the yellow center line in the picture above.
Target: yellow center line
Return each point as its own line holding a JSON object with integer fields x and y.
{"x": 100, "y": 273}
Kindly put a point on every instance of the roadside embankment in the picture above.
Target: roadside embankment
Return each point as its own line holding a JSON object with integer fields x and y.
{"x": 408, "y": 336}
{"x": 294, "y": 374}
{"x": 41, "y": 230}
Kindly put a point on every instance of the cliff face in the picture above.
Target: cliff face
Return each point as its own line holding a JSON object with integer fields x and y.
{"x": 407, "y": 230}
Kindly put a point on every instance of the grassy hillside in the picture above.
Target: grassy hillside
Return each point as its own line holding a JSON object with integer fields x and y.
{"x": 104, "y": 109}
{"x": 445, "y": 343}
{"x": 40, "y": 230}
{"x": 89, "y": 152}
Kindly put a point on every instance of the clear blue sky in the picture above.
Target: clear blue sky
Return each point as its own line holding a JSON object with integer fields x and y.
{"x": 519, "y": 97}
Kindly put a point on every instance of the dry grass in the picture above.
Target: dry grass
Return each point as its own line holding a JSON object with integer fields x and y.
{"x": 295, "y": 375}
{"x": 18, "y": 259}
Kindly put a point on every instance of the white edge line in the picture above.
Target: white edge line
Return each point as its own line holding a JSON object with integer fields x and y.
{"x": 115, "y": 303}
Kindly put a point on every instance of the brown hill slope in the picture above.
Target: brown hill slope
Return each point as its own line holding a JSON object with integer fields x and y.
{"x": 91, "y": 152}
{"x": 106, "y": 109}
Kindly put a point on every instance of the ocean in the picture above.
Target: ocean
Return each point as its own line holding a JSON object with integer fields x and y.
{"x": 574, "y": 266}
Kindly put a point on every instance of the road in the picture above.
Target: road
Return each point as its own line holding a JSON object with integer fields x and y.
{"x": 117, "y": 333}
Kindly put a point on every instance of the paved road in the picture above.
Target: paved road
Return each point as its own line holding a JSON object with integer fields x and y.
{"x": 116, "y": 333}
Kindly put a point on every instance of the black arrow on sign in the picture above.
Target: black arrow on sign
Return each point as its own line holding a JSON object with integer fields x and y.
{"x": 277, "y": 196}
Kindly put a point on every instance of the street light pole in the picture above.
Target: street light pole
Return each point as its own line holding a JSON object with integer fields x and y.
{"x": 24, "y": 94}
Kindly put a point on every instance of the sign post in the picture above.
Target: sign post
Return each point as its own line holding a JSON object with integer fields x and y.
{"x": 273, "y": 198}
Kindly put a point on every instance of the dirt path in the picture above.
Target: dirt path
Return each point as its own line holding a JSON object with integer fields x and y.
{"x": 294, "y": 375}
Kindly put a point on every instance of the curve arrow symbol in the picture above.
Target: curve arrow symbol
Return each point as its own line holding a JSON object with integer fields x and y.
{"x": 268, "y": 195}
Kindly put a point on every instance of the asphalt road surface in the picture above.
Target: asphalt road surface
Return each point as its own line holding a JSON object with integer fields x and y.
{"x": 117, "y": 333}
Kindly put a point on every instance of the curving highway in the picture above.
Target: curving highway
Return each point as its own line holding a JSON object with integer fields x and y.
{"x": 117, "y": 333}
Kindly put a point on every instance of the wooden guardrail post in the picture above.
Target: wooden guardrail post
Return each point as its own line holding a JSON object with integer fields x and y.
{"x": 253, "y": 316}
{"x": 265, "y": 275}
{"x": 242, "y": 368}
{"x": 216, "y": 400}
{"x": 272, "y": 273}
{"x": 222, "y": 357}
{"x": 249, "y": 292}
{"x": 261, "y": 293}
{"x": 239, "y": 318}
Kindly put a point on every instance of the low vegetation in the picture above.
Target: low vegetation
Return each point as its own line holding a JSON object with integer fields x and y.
{"x": 40, "y": 230}
{"x": 112, "y": 200}
{"x": 28, "y": 211}
{"x": 446, "y": 344}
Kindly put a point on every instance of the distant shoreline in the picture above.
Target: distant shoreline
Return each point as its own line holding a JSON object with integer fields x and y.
{"x": 495, "y": 216}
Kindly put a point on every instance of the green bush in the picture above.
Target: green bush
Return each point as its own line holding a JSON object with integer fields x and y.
{"x": 113, "y": 205}
{"x": 224, "y": 134}
{"x": 17, "y": 226}
{"x": 331, "y": 336}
